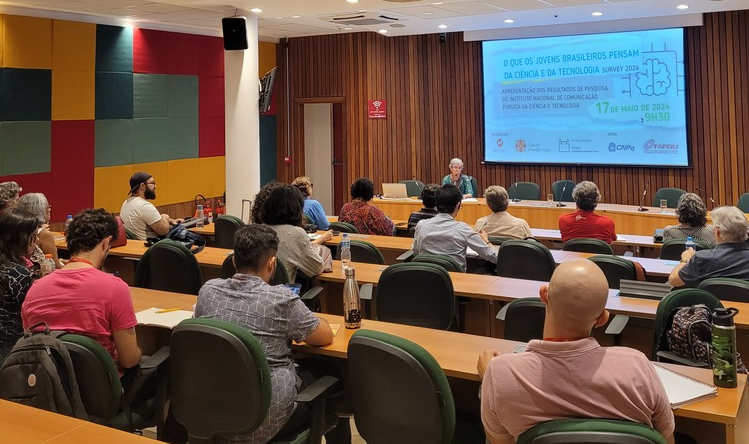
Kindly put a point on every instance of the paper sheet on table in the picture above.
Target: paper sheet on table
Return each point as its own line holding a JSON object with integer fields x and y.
{"x": 169, "y": 319}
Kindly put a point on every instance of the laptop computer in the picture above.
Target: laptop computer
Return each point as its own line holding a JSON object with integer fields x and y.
{"x": 394, "y": 191}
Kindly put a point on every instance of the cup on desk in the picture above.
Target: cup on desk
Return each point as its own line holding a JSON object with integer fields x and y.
{"x": 550, "y": 198}
{"x": 664, "y": 205}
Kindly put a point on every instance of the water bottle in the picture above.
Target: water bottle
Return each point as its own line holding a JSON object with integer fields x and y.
{"x": 345, "y": 253}
{"x": 199, "y": 216}
{"x": 689, "y": 244}
{"x": 351, "y": 312}
{"x": 67, "y": 222}
{"x": 47, "y": 265}
{"x": 723, "y": 347}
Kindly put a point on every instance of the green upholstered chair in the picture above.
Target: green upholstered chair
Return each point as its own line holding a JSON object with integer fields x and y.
{"x": 524, "y": 319}
{"x": 225, "y": 227}
{"x": 562, "y": 190}
{"x": 169, "y": 266}
{"x": 524, "y": 191}
{"x": 525, "y": 259}
{"x": 727, "y": 289}
{"x": 615, "y": 268}
{"x": 498, "y": 240}
{"x": 413, "y": 187}
{"x": 444, "y": 261}
{"x": 743, "y": 203}
{"x": 672, "y": 195}
{"x": 393, "y": 379}
{"x": 343, "y": 227}
{"x": 601, "y": 431}
{"x": 475, "y": 186}
{"x": 416, "y": 293}
{"x": 130, "y": 234}
{"x": 588, "y": 245}
{"x": 671, "y": 249}
{"x": 363, "y": 251}
{"x": 221, "y": 384}
{"x": 664, "y": 315}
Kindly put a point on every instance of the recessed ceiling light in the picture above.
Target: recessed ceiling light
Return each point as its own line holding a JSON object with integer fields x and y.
{"x": 682, "y": 7}
{"x": 426, "y": 13}
{"x": 295, "y": 16}
{"x": 597, "y": 14}
{"x": 279, "y": 17}
{"x": 256, "y": 10}
{"x": 509, "y": 21}
{"x": 442, "y": 26}
{"x": 383, "y": 31}
{"x": 348, "y": 28}
{"x": 353, "y": 1}
{"x": 438, "y": 3}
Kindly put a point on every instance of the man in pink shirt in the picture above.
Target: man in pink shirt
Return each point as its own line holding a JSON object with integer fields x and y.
{"x": 568, "y": 374}
{"x": 584, "y": 222}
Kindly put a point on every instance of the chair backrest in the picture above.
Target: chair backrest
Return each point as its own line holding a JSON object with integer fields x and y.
{"x": 727, "y": 289}
{"x": 664, "y": 314}
{"x": 227, "y": 267}
{"x": 525, "y": 259}
{"x": 601, "y": 431}
{"x": 563, "y": 185}
{"x": 413, "y": 187}
{"x": 169, "y": 266}
{"x": 225, "y": 227}
{"x": 281, "y": 276}
{"x": 615, "y": 268}
{"x": 498, "y": 240}
{"x": 446, "y": 262}
{"x": 343, "y": 227}
{"x": 672, "y": 195}
{"x": 671, "y": 249}
{"x": 130, "y": 234}
{"x": 588, "y": 245}
{"x": 362, "y": 251}
{"x": 475, "y": 186}
{"x": 524, "y": 191}
{"x": 524, "y": 319}
{"x": 743, "y": 203}
{"x": 219, "y": 368}
{"x": 392, "y": 378}
{"x": 416, "y": 293}
{"x": 97, "y": 377}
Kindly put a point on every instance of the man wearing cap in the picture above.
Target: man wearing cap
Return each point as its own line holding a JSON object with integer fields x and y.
{"x": 139, "y": 215}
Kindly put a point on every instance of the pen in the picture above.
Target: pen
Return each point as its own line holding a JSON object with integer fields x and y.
{"x": 167, "y": 310}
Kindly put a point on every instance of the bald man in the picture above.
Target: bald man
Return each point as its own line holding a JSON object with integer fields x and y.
{"x": 567, "y": 374}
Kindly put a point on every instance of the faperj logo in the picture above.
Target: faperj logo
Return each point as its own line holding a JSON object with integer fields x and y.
{"x": 651, "y": 145}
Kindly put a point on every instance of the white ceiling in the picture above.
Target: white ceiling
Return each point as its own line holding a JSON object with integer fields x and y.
{"x": 295, "y": 18}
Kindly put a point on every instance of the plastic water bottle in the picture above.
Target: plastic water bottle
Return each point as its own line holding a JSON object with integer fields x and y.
{"x": 345, "y": 253}
{"x": 723, "y": 347}
{"x": 689, "y": 244}
{"x": 199, "y": 216}
{"x": 47, "y": 265}
{"x": 351, "y": 301}
{"x": 67, "y": 222}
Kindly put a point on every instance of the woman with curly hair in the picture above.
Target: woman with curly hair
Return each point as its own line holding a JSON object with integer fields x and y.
{"x": 367, "y": 218}
{"x": 692, "y": 215}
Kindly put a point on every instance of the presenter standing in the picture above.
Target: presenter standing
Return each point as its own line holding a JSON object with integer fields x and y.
{"x": 457, "y": 178}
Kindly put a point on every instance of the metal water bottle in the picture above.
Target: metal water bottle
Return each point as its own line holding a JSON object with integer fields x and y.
{"x": 351, "y": 301}
{"x": 723, "y": 347}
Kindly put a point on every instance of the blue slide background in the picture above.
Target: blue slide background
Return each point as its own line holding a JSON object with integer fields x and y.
{"x": 601, "y": 99}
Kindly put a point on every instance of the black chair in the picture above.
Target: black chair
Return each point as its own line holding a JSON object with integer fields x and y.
{"x": 343, "y": 227}
{"x": 672, "y": 195}
{"x": 587, "y": 245}
{"x": 743, "y": 203}
{"x": 416, "y": 293}
{"x": 727, "y": 289}
{"x": 615, "y": 268}
{"x": 362, "y": 251}
{"x": 169, "y": 266}
{"x": 225, "y": 227}
{"x": 525, "y": 259}
{"x": 413, "y": 187}
{"x": 563, "y": 185}
{"x": 221, "y": 384}
{"x": 444, "y": 261}
{"x": 600, "y": 431}
{"x": 664, "y": 315}
{"x": 524, "y": 191}
{"x": 475, "y": 186}
{"x": 524, "y": 319}
{"x": 671, "y": 249}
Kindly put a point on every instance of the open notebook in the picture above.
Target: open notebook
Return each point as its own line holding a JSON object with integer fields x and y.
{"x": 681, "y": 389}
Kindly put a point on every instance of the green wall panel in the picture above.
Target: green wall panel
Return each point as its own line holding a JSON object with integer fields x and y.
{"x": 114, "y": 142}
{"x": 268, "y": 150}
{"x": 114, "y": 95}
{"x": 151, "y": 140}
{"x": 183, "y": 137}
{"x": 150, "y": 95}
{"x": 183, "y": 96}
{"x": 114, "y": 48}
{"x": 26, "y": 94}
{"x": 26, "y": 147}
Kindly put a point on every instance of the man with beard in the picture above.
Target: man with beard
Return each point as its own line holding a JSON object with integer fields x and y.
{"x": 139, "y": 215}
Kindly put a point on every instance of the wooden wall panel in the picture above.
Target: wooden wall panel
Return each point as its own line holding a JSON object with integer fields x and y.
{"x": 434, "y": 100}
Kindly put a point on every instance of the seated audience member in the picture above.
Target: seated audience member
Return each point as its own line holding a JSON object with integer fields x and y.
{"x": 367, "y": 218}
{"x": 37, "y": 204}
{"x": 17, "y": 240}
{"x": 729, "y": 258}
{"x": 139, "y": 215}
{"x": 312, "y": 208}
{"x": 500, "y": 222}
{"x": 274, "y": 314}
{"x": 692, "y": 221}
{"x": 442, "y": 234}
{"x": 457, "y": 178}
{"x": 282, "y": 211}
{"x": 584, "y": 222}
{"x": 259, "y": 200}
{"x": 9, "y": 192}
{"x": 568, "y": 374}
{"x": 429, "y": 207}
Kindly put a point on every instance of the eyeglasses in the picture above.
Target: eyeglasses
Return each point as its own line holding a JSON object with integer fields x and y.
{"x": 151, "y": 183}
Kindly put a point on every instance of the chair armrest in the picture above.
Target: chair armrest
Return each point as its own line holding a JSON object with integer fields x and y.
{"x": 317, "y": 388}
{"x": 405, "y": 257}
{"x": 156, "y": 359}
{"x": 617, "y": 325}
{"x": 311, "y": 293}
{"x": 315, "y": 396}
{"x": 365, "y": 292}
{"x": 681, "y": 360}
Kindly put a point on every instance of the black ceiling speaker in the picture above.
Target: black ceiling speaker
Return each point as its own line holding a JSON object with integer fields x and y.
{"x": 235, "y": 33}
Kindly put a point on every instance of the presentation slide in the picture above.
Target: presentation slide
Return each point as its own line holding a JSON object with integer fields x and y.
{"x": 599, "y": 99}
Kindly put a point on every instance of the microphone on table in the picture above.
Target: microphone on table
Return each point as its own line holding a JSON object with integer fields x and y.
{"x": 515, "y": 199}
{"x": 706, "y": 194}
{"x": 560, "y": 204}
{"x": 642, "y": 198}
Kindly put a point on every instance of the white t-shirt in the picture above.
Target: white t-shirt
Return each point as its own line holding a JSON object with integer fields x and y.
{"x": 138, "y": 215}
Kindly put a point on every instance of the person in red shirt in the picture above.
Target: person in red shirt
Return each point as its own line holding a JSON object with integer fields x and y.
{"x": 584, "y": 222}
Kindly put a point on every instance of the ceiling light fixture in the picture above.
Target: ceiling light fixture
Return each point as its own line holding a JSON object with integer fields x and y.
{"x": 438, "y": 3}
{"x": 443, "y": 26}
{"x": 353, "y": 1}
{"x": 597, "y": 14}
{"x": 348, "y": 28}
{"x": 383, "y": 31}
{"x": 426, "y": 13}
{"x": 256, "y": 10}
{"x": 295, "y": 16}
{"x": 508, "y": 21}
{"x": 682, "y": 7}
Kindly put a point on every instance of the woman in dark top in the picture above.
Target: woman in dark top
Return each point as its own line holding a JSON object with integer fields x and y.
{"x": 17, "y": 240}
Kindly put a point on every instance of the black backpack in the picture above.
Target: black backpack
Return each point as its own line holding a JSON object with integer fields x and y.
{"x": 38, "y": 372}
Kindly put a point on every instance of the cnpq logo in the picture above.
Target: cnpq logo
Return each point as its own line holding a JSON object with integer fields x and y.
{"x": 614, "y": 147}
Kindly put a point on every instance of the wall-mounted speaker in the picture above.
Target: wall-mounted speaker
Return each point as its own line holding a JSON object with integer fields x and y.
{"x": 235, "y": 33}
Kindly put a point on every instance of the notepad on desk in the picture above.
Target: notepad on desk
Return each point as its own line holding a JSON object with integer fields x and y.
{"x": 162, "y": 317}
{"x": 313, "y": 236}
{"x": 682, "y": 389}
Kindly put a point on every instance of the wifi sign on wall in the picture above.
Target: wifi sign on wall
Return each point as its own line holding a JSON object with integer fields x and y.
{"x": 377, "y": 109}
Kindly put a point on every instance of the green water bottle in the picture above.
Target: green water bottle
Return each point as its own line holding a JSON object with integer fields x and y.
{"x": 724, "y": 347}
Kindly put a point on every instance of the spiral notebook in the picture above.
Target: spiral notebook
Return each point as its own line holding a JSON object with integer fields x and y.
{"x": 682, "y": 389}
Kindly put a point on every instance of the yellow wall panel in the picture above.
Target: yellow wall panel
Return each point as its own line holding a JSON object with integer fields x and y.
{"x": 73, "y": 95}
{"x": 74, "y": 46}
{"x": 188, "y": 181}
{"x": 28, "y": 42}
{"x": 2, "y": 41}
{"x": 215, "y": 168}
{"x": 266, "y": 57}
{"x": 111, "y": 186}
